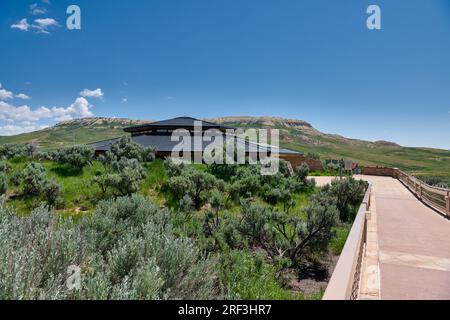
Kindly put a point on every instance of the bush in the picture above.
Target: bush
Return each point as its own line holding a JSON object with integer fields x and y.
{"x": 125, "y": 147}
{"x": 3, "y": 167}
{"x": 3, "y": 183}
{"x": 246, "y": 183}
{"x": 51, "y": 191}
{"x": 249, "y": 277}
{"x": 302, "y": 172}
{"x": 346, "y": 194}
{"x": 125, "y": 250}
{"x": 174, "y": 168}
{"x": 130, "y": 173}
{"x": 194, "y": 183}
{"x": 77, "y": 156}
{"x": 288, "y": 237}
{"x": 223, "y": 171}
{"x": 35, "y": 183}
{"x": 313, "y": 155}
{"x": 36, "y": 251}
{"x": 33, "y": 179}
{"x": 10, "y": 151}
{"x": 125, "y": 179}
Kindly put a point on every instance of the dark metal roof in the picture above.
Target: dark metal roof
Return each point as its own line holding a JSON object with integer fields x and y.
{"x": 164, "y": 143}
{"x": 175, "y": 123}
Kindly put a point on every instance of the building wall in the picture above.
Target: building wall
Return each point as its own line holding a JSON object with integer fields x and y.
{"x": 379, "y": 171}
{"x": 298, "y": 159}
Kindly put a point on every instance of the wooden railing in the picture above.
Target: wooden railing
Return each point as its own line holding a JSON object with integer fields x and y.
{"x": 345, "y": 281}
{"x": 437, "y": 198}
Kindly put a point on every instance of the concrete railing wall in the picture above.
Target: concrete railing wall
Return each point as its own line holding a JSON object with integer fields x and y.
{"x": 344, "y": 283}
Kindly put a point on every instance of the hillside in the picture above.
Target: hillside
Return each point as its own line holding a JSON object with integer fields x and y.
{"x": 72, "y": 132}
{"x": 294, "y": 134}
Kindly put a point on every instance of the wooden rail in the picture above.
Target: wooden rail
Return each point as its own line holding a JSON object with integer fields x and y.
{"x": 345, "y": 281}
{"x": 437, "y": 198}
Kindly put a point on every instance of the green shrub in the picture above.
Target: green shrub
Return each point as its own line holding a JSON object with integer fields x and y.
{"x": 302, "y": 172}
{"x": 194, "y": 183}
{"x": 313, "y": 155}
{"x": 126, "y": 177}
{"x": 346, "y": 194}
{"x": 3, "y": 167}
{"x": 51, "y": 190}
{"x": 125, "y": 250}
{"x": 3, "y": 183}
{"x": 33, "y": 179}
{"x": 173, "y": 168}
{"x": 125, "y": 147}
{"x": 76, "y": 157}
{"x": 246, "y": 183}
{"x": 35, "y": 183}
{"x": 130, "y": 173}
{"x": 10, "y": 151}
{"x": 285, "y": 236}
{"x": 249, "y": 277}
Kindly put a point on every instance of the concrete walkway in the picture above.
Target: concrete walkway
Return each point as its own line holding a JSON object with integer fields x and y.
{"x": 413, "y": 243}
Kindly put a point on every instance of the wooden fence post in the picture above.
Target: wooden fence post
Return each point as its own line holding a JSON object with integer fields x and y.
{"x": 448, "y": 203}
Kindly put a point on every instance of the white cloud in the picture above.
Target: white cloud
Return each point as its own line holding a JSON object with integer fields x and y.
{"x": 21, "y": 25}
{"x": 46, "y": 22}
{"x": 36, "y": 10}
{"x": 22, "y": 96}
{"x": 42, "y": 25}
{"x": 11, "y": 130}
{"x": 5, "y": 94}
{"x": 79, "y": 109}
{"x": 39, "y": 26}
{"x": 125, "y": 100}
{"x": 97, "y": 93}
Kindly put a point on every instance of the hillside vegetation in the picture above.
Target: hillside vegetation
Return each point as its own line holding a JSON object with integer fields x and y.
{"x": 294, "y": 134}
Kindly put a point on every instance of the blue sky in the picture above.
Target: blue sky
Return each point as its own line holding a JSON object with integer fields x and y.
{"x": 313, "y": 60}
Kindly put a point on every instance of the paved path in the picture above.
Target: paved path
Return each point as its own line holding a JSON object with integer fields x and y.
{"x": 413, "y": 243}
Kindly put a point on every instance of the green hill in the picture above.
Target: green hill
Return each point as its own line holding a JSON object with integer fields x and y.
{"x": 294, "y": 134}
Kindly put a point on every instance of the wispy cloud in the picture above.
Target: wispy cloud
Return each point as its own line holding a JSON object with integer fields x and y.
{"x": 125, "y": 100}
{"x": 22, "y": 25}
{"x": 39, "y": 26}
{"x": 6, "y": 94}
{"x": 36, "y": 10}
{"x": 97, "y": 93}
{"x": 43, "y": 25}
{"x": 22, "y": 96}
